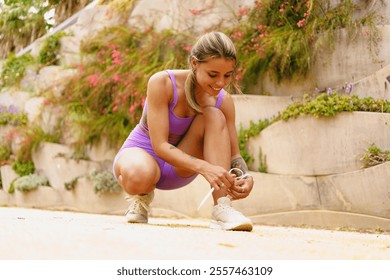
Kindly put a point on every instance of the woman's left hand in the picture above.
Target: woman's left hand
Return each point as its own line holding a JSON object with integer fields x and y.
{"x": 241, "y": 188}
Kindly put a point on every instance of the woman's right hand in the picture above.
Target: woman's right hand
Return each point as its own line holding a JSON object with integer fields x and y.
{"x": 218, "y": 177}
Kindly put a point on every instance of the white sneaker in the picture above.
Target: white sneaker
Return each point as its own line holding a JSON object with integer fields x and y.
{"x": 225, "y": 217}
{"x": 138, "y": 208}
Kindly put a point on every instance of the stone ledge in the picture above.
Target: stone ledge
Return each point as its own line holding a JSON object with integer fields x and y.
{"x": 320, "y": 146}
{"x": 366, "y": 191}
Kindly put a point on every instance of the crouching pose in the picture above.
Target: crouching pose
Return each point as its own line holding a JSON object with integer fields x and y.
{"x": 188, "y": 128}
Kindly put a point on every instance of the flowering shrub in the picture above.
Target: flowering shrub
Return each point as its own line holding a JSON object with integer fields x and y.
{"x": 107, "y": 97}
{"x": 282, "y": 37}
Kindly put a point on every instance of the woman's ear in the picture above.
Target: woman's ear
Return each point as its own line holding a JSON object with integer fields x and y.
{"x": 194, "y": 62}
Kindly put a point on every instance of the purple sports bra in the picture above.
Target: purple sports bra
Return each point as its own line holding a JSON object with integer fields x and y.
{"x": 178, "y": 126}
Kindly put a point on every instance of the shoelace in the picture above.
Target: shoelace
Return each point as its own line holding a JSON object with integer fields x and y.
{"x": 136, "y": 202}
{"x": 239, "y": 175}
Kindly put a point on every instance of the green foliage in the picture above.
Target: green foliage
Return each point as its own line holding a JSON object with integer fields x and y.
{"x": 262, "y": 162}
{"x": 5, "y": 153}
{"x": 23, "y": 168}
{"x": 104, "y": 182}
{"x": 21, "y": 22}
{"x": 111, "y": 88}
{"x": 326, "y": 105}
{"x": 10, "y": 116}
{"x": 282, "y": 37}
{"x": 13, "y": 69}
{"x": 49, "y": 54}
{"x": 71, "y": 184}
{"x": 244, "y": 135}
{"x": 374, "y": 156}
{"x": 28, "y": 183}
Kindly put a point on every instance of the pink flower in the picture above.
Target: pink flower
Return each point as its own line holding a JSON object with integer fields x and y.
{"x": 116, "y": 78}
{"x": 132, "y": 107}
{"x": 93, "y": 80}
{"x": 237, "y": 35}
{"x": 196, "y": 12}
{"x": 242, "y": 12}
{"x": 187, "y": 48}
{"x": 116, "y": 57}
{"x": 301, "y": 23}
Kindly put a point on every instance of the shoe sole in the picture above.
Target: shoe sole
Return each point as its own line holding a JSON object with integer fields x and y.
{"x": 232, "y": 227}
{"x": 136, "y": 219}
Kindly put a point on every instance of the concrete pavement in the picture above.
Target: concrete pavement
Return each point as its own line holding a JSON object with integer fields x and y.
{"x": 28, "y": 234}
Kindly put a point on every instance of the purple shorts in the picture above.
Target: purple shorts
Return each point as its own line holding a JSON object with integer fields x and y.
{"x": 169, "y": 179}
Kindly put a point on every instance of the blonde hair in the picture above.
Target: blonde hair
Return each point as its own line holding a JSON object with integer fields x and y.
{"x": 210, "y": 45}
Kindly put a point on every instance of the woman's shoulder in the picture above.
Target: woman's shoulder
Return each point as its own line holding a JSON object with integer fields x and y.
{"x": 227, "y": 103}
{"x": 163, "y": 75}
{"x": 159, "y": 78}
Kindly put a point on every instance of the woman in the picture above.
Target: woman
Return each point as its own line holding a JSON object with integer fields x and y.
{"x": 188, "y": 128}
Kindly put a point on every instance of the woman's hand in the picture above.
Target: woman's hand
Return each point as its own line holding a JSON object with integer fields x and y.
{"x": 241, "y": 188}
{"x": 218, "y": 177}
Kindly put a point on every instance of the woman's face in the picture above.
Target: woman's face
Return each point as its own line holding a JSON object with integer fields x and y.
{"x": 213, "y": 75}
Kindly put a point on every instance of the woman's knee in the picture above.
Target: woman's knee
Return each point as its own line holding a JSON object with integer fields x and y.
{"x": 214, "y": 117}
{"x": 136, "y": 174}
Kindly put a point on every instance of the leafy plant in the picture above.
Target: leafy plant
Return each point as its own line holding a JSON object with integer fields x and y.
{"x": 262, "y": 162}
{"x": 23, "y": 168}
{"x": 71, "y": 184}
{"x": 245, "y": 134}
{"x": 49, "y": 54}
{"x": 104, "y": 182}
{"x": 28, "y": 183}
{"x": 327, "y": 105}
{"x": 13, "y": 69}
{"x": 21, "y": 22}
{"x": 5, "y": 153}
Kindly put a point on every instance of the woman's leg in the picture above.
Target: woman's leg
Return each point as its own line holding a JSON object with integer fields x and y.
{"x": 137, "y": 171}
{"x": 208, "y": 138}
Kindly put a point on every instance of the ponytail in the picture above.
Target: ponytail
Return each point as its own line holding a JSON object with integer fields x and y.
{"x": 190, "y": 92}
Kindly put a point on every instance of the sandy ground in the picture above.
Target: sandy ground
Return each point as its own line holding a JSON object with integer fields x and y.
{"x": 30, "y": 234}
